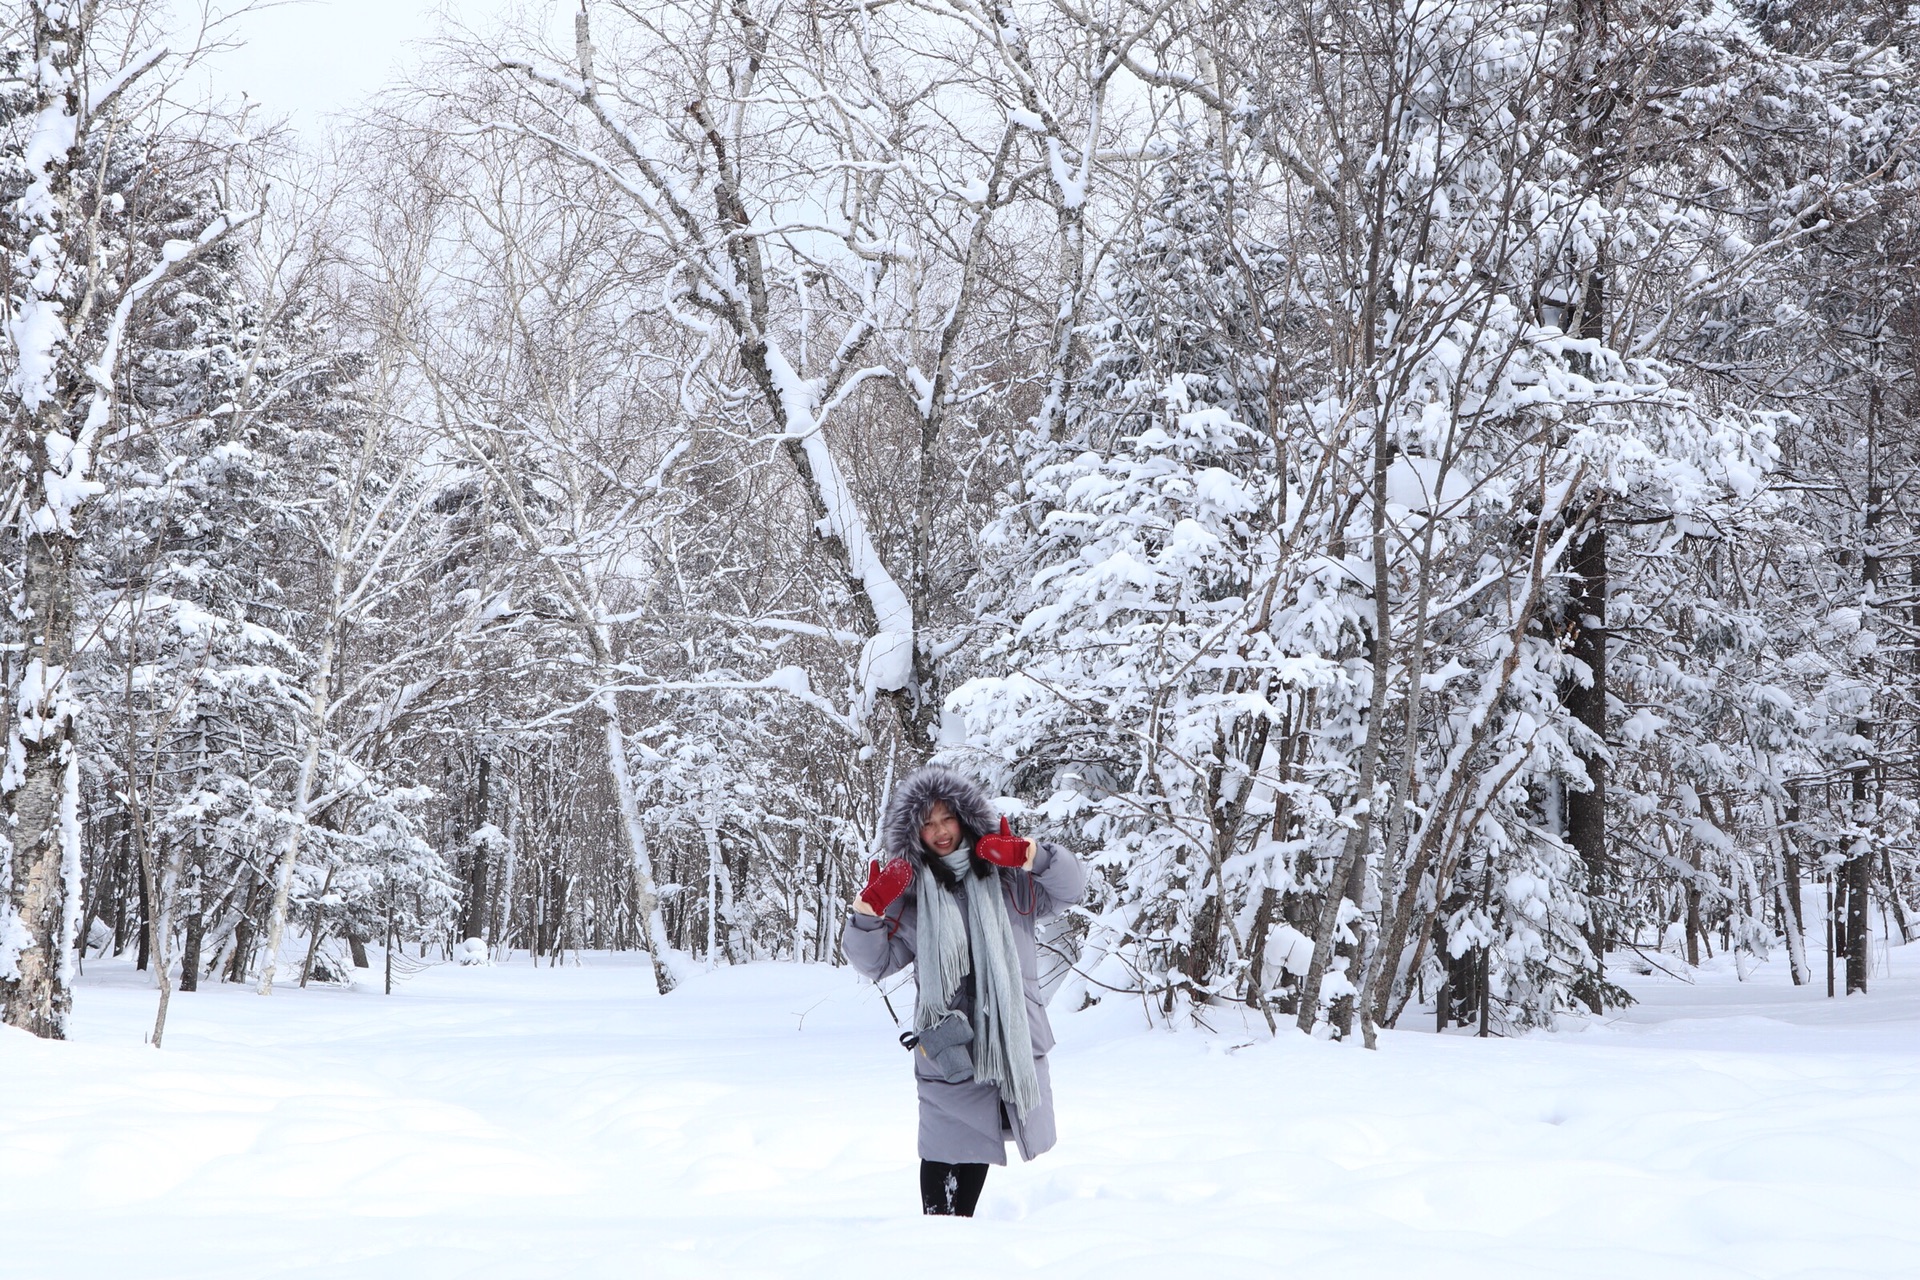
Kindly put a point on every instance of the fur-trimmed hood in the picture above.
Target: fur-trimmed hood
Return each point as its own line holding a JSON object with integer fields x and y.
{"x": 914, "y": 799}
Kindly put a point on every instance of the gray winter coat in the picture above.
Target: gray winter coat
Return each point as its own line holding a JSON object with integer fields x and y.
{"x": 964, "y": 1123}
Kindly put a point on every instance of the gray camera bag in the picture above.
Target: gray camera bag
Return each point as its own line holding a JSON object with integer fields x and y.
{"x": 945, "y": 1044}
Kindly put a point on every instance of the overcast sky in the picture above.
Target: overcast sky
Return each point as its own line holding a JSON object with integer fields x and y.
{"x": 308, "y": 59}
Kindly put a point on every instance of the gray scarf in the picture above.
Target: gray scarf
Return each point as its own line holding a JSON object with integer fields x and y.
{"x": 947, "y": 948}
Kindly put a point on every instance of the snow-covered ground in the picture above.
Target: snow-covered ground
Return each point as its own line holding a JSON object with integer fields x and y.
{"x": 514, "y": 1121}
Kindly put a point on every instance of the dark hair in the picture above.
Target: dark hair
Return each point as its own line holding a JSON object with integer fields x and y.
{"x": 912, "y": 804}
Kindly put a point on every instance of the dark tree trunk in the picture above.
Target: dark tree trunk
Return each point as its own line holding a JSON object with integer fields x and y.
{"x": 1856, "y": 876}
{"x": 1858, "y": 872}
{"x": 1831, "y": 940}
{"x": 110, "y": 903}
{"x": 824, "y": 912}
{"x": 1486, "y": 992}
{"x": 1587, "y": 810}
{"x": 1693, "y": 922}
{"x": 146, "y": 934}
{"x": 1894, "y": 899}
{"x": 1586, "y": 628}
{"x": 1842, "y": 886}
{"x": 1197, "y": 964}
{"x": 1791, "y": 859}
{"x": 1597, "y": 93}
{"x": 120, "y": 922}
{"x": 556, "y": 906}
{"x": 194, "y": 908}
{"x": 479, "y": 860}
{"x": 1257, "y": 947}
{"x": 190, "y": 952}
{"x": 1340, "y": 1012}
{"x": 99, "y": 883}
{"x": 1859, "y": 897}
{"x": 1461, "y": 980}
{"x": 242, "y": 945}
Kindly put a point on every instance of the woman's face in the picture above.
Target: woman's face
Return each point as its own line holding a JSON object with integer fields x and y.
{"x": 941, "y": 831}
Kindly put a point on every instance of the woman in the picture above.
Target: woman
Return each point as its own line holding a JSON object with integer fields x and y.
{"x": 967, "y": 926}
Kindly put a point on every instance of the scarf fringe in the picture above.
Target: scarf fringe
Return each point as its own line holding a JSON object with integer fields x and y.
{"x": 948, "y": 948}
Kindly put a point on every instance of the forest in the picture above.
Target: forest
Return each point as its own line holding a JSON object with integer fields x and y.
{"x": 1421, "y": 496}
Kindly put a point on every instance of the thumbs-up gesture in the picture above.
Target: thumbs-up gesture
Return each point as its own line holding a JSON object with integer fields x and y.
{"x": 884, "y": 884}
{"x": 1004, "y": 848}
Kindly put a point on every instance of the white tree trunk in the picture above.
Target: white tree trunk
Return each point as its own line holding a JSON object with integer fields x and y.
{"x": 503, "y": 938}
{"x": 319, "y": 689}
{"x": 646, "y": 899}
{"x": 1801, "y": 971}
{"x": 709, "y": 828}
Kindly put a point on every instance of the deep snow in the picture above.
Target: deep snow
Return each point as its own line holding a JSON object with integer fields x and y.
{"x": 514, "y": 1121}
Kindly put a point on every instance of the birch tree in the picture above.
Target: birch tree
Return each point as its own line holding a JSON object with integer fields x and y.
{"x": 79, "y": 272}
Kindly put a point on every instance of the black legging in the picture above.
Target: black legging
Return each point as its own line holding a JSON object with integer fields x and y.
{"x": 951, "y": 1188}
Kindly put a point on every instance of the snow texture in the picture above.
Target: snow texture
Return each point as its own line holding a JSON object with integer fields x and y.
{"x": 515, "y": 1121}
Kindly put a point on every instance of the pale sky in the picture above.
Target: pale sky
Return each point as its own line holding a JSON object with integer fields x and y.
{"x": 307, "y": 59}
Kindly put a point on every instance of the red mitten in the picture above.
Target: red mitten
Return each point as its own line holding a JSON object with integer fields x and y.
{"x": 884, "y": 884}
{"x": 1004, "y": 848}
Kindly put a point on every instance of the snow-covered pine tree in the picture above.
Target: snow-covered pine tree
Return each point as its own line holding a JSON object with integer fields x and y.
{"x": 189, "y": 661}
{"x": 1175, "y": 624}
